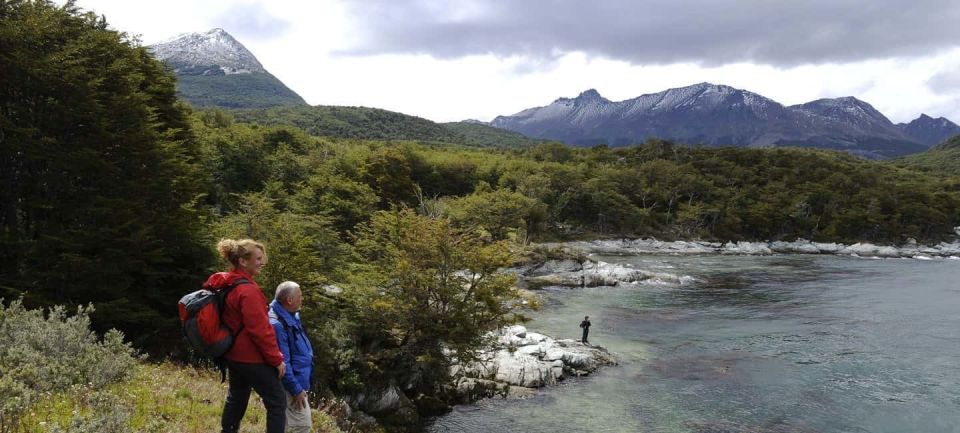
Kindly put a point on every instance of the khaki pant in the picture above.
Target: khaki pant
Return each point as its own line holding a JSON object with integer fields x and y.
{"x": 298, "y": 419}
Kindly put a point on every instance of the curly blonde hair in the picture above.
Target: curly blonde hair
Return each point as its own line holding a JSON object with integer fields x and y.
{"x": 232, "y": 250}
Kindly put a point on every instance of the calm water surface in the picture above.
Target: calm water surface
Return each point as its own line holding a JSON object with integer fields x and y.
{"x": 789, "y": 343}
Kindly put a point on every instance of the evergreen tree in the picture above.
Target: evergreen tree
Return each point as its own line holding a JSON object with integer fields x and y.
{"x": 98, "y": 169}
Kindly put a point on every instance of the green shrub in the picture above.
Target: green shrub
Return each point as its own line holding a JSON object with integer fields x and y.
{"x": 41, "y": 354}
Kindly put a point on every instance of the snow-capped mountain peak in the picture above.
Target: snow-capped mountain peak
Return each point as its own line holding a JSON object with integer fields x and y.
{"x": 591, "y": 95}
{"x": 200, "y": 52}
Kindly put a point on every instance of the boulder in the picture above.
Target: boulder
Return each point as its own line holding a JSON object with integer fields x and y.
{"x": 388, "y": 404}
{"x": 550, "y": 267}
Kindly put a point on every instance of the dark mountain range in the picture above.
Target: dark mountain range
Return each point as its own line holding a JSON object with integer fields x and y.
{"x": 930, "y": 131}
{"x": 719, "y": 115}
{"x": 214, "y": 69}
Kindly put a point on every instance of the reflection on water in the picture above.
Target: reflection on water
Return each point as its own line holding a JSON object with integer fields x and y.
{"x": 758, "y": 344}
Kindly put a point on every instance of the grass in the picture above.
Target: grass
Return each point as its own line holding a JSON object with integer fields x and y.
{"x": 159, "y": 398}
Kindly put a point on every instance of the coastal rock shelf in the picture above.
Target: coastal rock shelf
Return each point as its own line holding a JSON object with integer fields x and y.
{"x": 521, "y": 361}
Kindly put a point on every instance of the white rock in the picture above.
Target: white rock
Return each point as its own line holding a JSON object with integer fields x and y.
{"x": 524, "y": 370}
{"x": 554, "y": 354}
{"x": 534, "y": 338}
{"x": 579, "y": 360}
{"x": 800, "y": 246}
{"x": 519, "y": 331}
{"x": 533, "y": 350}
{"x": 746, "y": 248}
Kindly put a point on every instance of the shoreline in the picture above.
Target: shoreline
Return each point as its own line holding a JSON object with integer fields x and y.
{"x": 643, "y": 246}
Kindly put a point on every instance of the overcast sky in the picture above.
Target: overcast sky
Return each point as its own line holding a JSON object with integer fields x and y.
{"x": 454, "y": 60}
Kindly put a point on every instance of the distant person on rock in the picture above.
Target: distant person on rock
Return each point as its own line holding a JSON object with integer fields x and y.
{"x": 297, "y": 353}
{"x": 255, "y": 361}
{"x": 585, "y": 324}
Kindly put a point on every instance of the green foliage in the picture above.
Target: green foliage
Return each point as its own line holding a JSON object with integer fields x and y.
{"x": 501, "y": 213}
{"x": 387, "y": 171}
{"x": 422, "y": 286}
{"x": 98, "y": 171}
{"x": 41, "y": 355}
{"x": 255, "y": 90}
{"x": 301, "y": 247}
{"x": 658, "y": 189}
{"x": 347, "y": 202}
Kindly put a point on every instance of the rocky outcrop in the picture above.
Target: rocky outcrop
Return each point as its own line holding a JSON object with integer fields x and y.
{"x": 590, "y": 273}
{"x": 520, "y": 361}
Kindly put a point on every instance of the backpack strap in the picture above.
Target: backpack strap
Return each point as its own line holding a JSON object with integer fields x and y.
{"x": 222, "y": 294}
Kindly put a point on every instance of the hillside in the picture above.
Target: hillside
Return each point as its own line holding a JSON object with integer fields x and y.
{"x": 350, "y": 122}
{"x": 943, "y": 158}
{"x": 235, "y": 91}
{"x": 377, "y": 124}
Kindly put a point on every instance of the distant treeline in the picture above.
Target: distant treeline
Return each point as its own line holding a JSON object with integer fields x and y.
{"x": 552, "y": 191}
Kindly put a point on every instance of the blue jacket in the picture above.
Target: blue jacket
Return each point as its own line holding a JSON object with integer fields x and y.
{"x": 290, "y": 335}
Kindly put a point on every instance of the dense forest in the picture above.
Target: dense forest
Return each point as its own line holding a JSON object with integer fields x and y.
{"x": 114, "y": 193}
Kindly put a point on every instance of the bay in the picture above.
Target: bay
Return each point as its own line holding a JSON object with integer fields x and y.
{"x": 783, "y": 343}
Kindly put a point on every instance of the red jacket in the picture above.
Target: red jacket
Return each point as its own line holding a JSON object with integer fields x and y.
{"x": 256, "y": 343}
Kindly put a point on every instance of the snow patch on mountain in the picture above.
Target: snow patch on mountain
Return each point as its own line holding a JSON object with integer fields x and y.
{"x": 197, "y": 53}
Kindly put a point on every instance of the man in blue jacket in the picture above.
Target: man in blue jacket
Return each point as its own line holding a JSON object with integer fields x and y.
{"x": 297, "y": 354}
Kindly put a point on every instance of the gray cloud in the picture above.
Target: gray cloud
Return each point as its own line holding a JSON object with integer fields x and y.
{"x": 710, "y": 32}
{"x": 251, "y": 21}
{"x": 945, "y": 82}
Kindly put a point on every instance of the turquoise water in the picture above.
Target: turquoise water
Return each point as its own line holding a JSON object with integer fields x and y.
{"x": 790, "y": 343}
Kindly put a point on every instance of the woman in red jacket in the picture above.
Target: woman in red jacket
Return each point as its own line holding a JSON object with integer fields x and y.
{"x": 254, "y": 361}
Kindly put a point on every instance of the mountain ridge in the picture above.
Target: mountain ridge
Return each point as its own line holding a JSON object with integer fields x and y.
{"x": 930, "y": 131}
{"x": 711, "y": 114}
